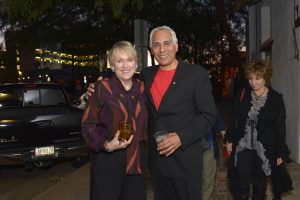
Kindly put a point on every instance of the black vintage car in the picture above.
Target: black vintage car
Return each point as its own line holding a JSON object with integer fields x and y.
{"x": 38, "y": 125}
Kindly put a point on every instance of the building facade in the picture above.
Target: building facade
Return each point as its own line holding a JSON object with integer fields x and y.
{"x": 274, "y": 35}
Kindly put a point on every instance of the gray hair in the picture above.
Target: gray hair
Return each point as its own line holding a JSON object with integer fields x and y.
{"x": 163, "y": 28}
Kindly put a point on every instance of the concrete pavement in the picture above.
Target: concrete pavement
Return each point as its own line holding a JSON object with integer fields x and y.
{"x": 76, "y": 186}
{"x": 221, "y": 191}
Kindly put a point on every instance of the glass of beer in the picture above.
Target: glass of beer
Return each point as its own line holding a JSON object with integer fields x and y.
{"x": 125, "y": 130}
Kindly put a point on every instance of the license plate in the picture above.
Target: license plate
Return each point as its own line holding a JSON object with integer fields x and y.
{"x": 44, "y": 151}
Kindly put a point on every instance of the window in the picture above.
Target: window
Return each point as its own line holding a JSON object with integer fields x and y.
{"x": 296, "y": 13}
{"x": 31, "y": 97}
{"x": 11, "y": 98}
{"x": 265, "y": 23}
{"x": 52, "y": 97}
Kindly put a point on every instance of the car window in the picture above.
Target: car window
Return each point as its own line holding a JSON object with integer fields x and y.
{"x": 31, "y": 97}
{"x": 52, "y": 97}
{"x": 11, "y": 98}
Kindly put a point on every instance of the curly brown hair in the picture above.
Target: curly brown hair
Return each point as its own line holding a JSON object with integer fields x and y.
{"x": 260, "y": 68}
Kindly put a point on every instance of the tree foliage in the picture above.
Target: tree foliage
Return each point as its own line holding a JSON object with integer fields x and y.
{"x": 92, "y": 26}
{"x": 194, "y": 22}
{"x": 75, "y": 24}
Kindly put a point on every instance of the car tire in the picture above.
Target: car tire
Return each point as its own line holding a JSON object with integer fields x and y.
{"x": 44, "y": 164}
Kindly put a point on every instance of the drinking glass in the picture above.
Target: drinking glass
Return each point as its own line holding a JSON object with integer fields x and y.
{"x": 125, "y": 130}
{"x": 160, "y": 135}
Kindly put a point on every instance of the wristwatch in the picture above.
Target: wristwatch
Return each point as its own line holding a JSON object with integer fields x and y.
{"x": 108, "y": 147}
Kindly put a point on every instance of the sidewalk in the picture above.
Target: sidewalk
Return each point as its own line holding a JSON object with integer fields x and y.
{"x": 221, "y": 191}
{"x": 76, "y": 186}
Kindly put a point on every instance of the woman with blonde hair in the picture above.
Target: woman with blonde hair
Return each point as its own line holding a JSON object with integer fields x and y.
{"x": 117, "y": 163}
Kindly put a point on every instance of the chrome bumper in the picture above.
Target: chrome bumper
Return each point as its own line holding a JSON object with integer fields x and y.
{"x": 28, "y": 154}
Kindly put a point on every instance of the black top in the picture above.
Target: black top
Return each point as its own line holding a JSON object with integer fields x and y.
{"x": 270, "y": 126}
{"x": 271, "y": 132}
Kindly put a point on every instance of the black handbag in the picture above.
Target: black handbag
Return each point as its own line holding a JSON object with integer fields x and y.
{"x": 281, "y": 180}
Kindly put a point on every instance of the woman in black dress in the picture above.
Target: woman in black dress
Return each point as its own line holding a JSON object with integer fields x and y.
{"x": 256, "y": 136}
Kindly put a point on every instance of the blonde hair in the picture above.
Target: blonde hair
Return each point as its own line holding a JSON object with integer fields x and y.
{"x": 260, "y": 68}
{"x": 124, "y": 47}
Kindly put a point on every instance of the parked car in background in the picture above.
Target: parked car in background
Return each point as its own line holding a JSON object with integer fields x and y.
{"x": 38, "y": 125}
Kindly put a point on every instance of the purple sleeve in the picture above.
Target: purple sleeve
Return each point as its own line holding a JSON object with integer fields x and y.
{"x": 90, "y": 125}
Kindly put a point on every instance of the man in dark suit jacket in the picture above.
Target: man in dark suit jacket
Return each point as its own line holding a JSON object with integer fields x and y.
{"x": 180, "y": 102}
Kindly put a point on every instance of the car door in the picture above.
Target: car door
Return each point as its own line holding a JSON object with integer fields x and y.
{"x": 62, "y": 119}
{"x": 16, "y": 127}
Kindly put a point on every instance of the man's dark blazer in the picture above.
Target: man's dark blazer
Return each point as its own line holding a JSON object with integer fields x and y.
{"x": 188, "y": 109}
